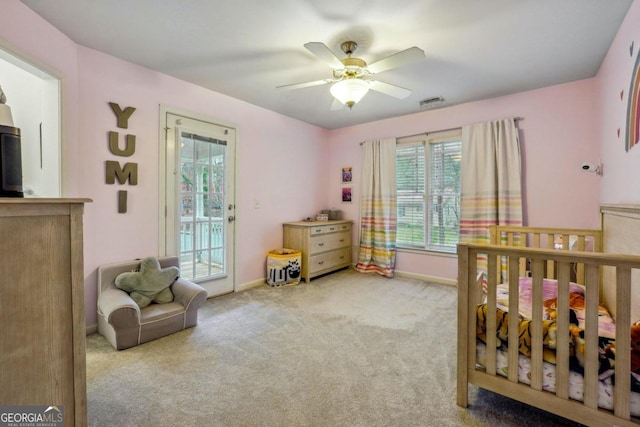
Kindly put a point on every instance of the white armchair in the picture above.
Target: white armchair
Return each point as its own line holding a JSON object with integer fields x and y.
{"x": 124, "y": 324}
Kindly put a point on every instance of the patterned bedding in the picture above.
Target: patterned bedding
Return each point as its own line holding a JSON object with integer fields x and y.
{"x": 606, "y": 329}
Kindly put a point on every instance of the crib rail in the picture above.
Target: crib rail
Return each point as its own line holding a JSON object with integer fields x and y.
{"x": 548, "y": 238}
{"x": 537, "y": 259}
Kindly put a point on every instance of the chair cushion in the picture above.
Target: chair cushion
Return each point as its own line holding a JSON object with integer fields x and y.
{"x": 155, "y": 312}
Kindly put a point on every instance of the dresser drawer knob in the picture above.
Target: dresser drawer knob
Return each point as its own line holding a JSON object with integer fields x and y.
{"x": 320, "y": 244}
{"x": 318, "y": 230}
{"x": 321, "y": 262}
{"x": 342, "y": 240}
{"x": 332, "y": 228}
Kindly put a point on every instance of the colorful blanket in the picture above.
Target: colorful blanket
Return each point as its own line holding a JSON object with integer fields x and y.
{"x": 549, "y": 332}
{"x": 606, "y": 327}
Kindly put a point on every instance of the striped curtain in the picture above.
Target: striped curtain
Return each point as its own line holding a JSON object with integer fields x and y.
{"x": 378, "y": 216}
{"x": 491, "y": 181}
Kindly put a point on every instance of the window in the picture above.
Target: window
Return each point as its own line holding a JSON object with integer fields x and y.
{"x": 428, "y": 184}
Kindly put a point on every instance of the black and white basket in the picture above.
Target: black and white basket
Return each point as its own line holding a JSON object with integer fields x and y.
{"x": 284, "y": 267}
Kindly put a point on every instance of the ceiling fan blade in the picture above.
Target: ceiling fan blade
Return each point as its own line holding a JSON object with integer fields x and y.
{"x": 404, "y": 57}
{"x": 323, "y": 52}
{"x": 389, "y": 89}
{"x": 306, "y": 84}
{"x": 336, "y": 105}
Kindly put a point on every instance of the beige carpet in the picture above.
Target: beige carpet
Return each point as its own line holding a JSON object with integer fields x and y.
{"x": 345, "y": 350}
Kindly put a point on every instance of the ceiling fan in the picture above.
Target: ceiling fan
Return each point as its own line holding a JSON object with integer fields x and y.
{"x": 352, "y": 77}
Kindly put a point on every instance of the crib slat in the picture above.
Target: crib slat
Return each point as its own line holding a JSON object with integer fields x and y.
{"x": 522, "y": 242}
{"x": 493, "y": 235}
{"x": 492, "y": 270}
{"x": 536, "y": 240}
{"x": 537, "y": 270}
{"x": 562, "y": 322}
{"x": 597, "y": 242}
{"x": 467, "y": 270}
{"x": 514, "y": 296}
{"x": 591, "y": 337}
{"x": 582, "y": 246}
{"x": 550, "y": 264}
{"x": 462, "y": 380}
{"x": 623, "y": 340}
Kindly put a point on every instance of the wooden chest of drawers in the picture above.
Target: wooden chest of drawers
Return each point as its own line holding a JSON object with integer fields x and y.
{"x": 42, "y": 353}
{"x": 325, "y": 245}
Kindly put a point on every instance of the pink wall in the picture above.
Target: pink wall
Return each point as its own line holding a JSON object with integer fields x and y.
{"x": 273, "y": 152}
{"x": 621, "y": 180}
{"x": 558, "y": 134}
{"x": 281, "y": 161}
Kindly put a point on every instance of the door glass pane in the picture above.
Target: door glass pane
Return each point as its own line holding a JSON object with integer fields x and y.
{"x": 186, "y": 236}
{"x": 202, "y": 231}
{"x": 187, "y": 205}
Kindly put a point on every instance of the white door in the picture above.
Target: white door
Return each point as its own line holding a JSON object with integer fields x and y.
{"x": 199, "y": 223}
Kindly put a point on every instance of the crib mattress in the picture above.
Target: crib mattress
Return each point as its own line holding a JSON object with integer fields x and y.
{"x": 576, "y": 380}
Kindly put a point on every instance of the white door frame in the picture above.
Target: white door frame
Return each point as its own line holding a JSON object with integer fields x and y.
{"x": 165, "y": 213}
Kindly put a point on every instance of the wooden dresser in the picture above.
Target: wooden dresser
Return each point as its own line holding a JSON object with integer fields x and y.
{"x": 325, "y": 245}
{"x": 42, "y": 350}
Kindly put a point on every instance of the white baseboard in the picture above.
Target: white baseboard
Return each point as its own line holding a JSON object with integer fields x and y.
{"x": 249, "y": 285}
{"x": 92, "y": 329}
{"x": 427, "y": 278}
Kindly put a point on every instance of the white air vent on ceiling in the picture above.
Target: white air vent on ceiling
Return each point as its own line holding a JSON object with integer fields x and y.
{"x": 434, "y": 102}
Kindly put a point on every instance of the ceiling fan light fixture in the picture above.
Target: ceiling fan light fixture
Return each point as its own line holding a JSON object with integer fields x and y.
{"x": 349, "y": 91}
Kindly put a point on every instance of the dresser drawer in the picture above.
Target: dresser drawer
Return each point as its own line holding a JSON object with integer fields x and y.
{"x": 340, "y": 257}
{"x": 327, "y": 242}
{"x": 329, "y": 228}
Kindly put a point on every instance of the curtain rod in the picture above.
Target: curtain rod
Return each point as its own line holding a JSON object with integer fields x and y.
{"x": 442, "y": 130}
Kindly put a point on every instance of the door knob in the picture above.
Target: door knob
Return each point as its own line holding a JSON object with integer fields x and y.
{"x": 232, "y": 218}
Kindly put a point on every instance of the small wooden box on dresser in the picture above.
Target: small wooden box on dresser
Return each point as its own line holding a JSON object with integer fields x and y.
{"x": 325, "y": 245}
{"x": 42, "y": 346}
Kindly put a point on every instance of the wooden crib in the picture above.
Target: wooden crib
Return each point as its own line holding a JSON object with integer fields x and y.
{"x": 563, "y": 255}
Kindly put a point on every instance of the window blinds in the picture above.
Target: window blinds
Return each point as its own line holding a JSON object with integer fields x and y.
{"x": 444, "y": 194}
{"x": 410, "y": 175}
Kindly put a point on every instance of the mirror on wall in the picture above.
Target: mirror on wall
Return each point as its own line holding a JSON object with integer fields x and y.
{"x": 34, "y": 98}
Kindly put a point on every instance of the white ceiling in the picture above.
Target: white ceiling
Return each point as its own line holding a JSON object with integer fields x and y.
{"x": 245, "y": 48}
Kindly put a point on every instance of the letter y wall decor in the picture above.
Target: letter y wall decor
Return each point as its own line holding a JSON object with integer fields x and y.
{"x": 113, "y": 169}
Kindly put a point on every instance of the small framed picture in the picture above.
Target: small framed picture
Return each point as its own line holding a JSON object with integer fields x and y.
{"x": 346, "y": 174}
{"x": 346, "y": 195}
